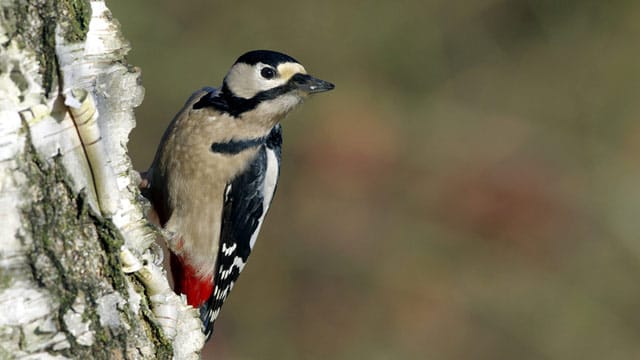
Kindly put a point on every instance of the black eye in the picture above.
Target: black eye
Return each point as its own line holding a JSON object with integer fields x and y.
{"x": 268, "y": 73}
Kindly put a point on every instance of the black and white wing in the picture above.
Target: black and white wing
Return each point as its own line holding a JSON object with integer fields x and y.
{"x": 247, "y": 199}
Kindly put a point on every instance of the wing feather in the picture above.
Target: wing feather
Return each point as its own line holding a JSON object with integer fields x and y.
{"x": 247, "y": 199}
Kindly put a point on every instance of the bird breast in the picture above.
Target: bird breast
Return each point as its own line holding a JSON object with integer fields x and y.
{"x": 196, "y": 179}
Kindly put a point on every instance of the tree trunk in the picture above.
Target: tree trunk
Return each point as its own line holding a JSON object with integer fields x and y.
{"x": 73, "y": 230}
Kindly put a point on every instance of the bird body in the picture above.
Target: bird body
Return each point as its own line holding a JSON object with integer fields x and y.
{"x": 216, "y": 169}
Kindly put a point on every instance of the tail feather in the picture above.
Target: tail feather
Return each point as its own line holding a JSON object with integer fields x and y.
{"x": 208, "y": 318}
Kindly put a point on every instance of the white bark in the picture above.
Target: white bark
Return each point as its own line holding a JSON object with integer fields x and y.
{"x": 69, "y": 203}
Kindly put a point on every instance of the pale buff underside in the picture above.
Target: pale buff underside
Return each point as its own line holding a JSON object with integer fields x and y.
{"x": 196, "y": 178}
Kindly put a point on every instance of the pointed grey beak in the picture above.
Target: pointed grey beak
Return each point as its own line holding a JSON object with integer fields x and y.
{"x": 309, "y": 84}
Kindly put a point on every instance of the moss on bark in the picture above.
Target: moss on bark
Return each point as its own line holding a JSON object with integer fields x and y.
{"x": 73, "y": 254}
{"x": 33, "y": 24}
{"x": 67, "y": 253}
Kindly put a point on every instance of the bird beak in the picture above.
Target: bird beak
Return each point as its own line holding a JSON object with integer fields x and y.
{"x": 309, "y": 84}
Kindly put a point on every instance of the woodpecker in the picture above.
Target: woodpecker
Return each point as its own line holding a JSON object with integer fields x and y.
{"x": 216, "y": 170}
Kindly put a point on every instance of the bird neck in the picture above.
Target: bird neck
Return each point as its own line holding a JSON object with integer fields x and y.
{"x": 232, "y": 104}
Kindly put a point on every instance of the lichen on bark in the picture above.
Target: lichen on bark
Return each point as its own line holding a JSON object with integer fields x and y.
{"x": 33, "y": 25}
{"x": 63, "y": 292}
{"x": 72, "y": 254}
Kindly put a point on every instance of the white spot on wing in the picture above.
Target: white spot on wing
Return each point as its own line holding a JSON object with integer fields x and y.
{"x": 237, "y": 262}
{"x": 225, "y": 273}
{"x": 227, "y": 190}
{"x": 227, "y": 251}
{"x": 271, "y": 177}
{"x": 269, "y": 186}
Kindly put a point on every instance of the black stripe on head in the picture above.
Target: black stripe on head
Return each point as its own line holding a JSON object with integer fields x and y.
{"x": 268, "y": 57}
{"x": 225, "y": 101}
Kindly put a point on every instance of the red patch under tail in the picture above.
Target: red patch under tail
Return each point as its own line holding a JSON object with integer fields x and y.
{"x": 197, "y": 289}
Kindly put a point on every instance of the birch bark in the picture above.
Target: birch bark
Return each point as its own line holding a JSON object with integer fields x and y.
{"x": 69, "y": 203}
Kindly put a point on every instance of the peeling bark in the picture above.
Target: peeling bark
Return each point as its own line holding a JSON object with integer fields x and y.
{"x": 69, "y": 203}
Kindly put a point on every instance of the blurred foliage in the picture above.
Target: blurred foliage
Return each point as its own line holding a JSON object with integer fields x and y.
{"x": 470, "y": 190}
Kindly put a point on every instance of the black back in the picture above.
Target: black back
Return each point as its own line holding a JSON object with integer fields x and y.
{"x": 243, "y": 208}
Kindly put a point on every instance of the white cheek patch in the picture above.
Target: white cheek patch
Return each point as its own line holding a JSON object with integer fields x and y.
{"x": 241, "y": 81}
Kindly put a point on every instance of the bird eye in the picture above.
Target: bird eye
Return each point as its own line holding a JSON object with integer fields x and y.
{"x": 268, "y": 73}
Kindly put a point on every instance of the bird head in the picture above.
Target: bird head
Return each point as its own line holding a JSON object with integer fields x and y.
{"x": 274, "y": 80}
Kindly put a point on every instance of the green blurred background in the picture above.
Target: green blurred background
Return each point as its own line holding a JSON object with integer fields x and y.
{"x": 470, "y": 190}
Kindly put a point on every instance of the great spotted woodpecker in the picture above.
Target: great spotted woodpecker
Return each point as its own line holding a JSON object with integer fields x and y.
{"x": 216, "y": 169}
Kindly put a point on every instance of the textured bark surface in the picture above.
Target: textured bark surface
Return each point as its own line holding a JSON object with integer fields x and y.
{"x": 66, "y": 212}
